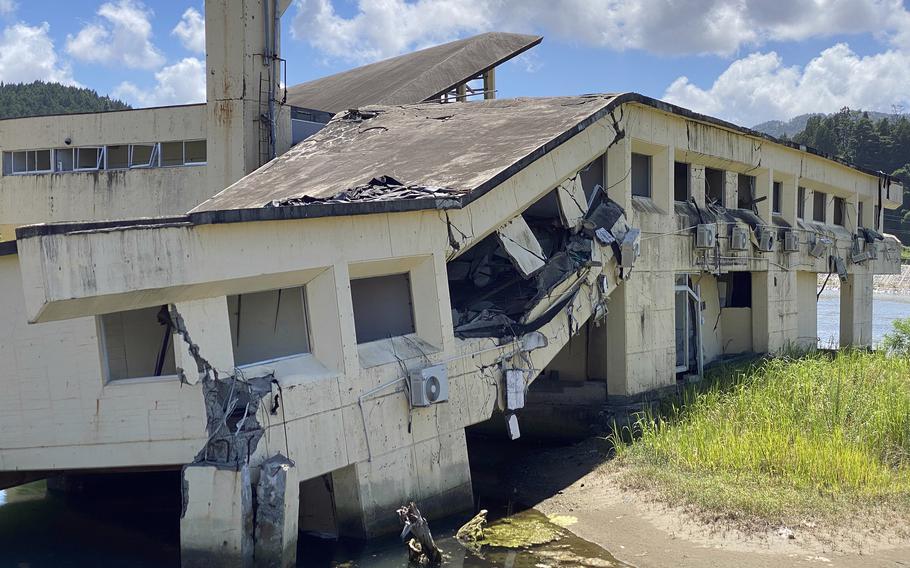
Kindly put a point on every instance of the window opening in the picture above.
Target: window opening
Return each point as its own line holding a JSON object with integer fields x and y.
{"x": 840, "y": 206}
{"x": 268, "y": 325}
{"x": 89, "y": 158}
{"x": 194, "y": 152}
{"x": 172, "y": 153}
{"x": 143, "y": 155}
{"x": 118, "y": 157}
{"x": 641, "y": 175}
{"x": 745, "y": 195}
{"x": 138, "y": 343}
{"x": 64, "y": 158}
{"x": 776, "y": 198}
{"x": 801, "y": 202}
{"x": 714, "y": 185}
{"x": 818, "y": 207}
{"x": 681, "y": 179}
{"x": 383, "y": 307}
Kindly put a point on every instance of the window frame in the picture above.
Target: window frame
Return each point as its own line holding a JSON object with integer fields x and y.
{"x": 99, "y": 163}
{"x": 777, "y": 197}
{"x": 801, "y": 202}
{"x": 33, "y": 154}
{"x": 105, "y": 355}
{"x": 650, "y": 177}
{"x": 306, "y": 325}
{"x": 824, "y": 208}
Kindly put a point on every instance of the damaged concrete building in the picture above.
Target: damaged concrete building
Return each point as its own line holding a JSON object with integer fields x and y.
{"x": 321, "y": 330}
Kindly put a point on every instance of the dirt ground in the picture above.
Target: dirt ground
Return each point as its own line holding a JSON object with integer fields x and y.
{"x": 635, "y": 528}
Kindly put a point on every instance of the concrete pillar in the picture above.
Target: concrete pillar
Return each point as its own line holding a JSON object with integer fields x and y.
{"x": 807, "y": 304}
{"x": 461, "y": 92}
{"x": 277, "y": 502}
{"x": 489, "y": 84}
{"x": 764, "y": 187}
{"x": 216, "y": 524}
{"x": 856, "y": 309}
{"x": 619, "y": 174}
{"x": 697, "y": 183}
{"x": 662, "y": 179}
{"x": 433, "y": 473}
{"x": 761, "y": 312}
{"x": 731, "y": 189}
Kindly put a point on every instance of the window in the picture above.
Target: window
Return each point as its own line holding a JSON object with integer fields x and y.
{"x": 192, "y": 152}
{"x": 735, "y": 289}
{"x": 118, "y": 157}
{"x": 840, "y": 206}
{"x": 143, "y": 155}
{"x": 195, "y": 152}
{"x": 89, "y": 158}
{"x": 801, "y": 202}
{"x": 268, "y": 325}
{"x": 172, "y": 154}
{"x": 714, "y": 185}
{"x": 138, "y": 344}
{"x": 29, "y": 161}
{"x": 382, "y": 307}
{"x": 819, "y": 203}
{"x": 641, "y": 175}
{"x": 859, "y": 215}
{"x": 593, "y": 175}
{"x": 65, "y": 159}
{"x": 681, "y": 189}
{"x": 776, "y": 197}
{"x": 745, "y": 197}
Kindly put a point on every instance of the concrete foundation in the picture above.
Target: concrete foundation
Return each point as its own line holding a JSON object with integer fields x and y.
{"x": 277, "y": 502}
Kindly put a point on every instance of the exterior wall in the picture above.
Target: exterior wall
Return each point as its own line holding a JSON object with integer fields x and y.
{"x": 106, "y": 194}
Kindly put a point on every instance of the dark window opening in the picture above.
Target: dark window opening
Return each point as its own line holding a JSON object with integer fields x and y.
{"x": 118, "y": 157}
{"x": 819, "y": 204}
{"x": 383, "y": 307}
{"x": 859, "y": 215}
{"x": 138, "y": 344}
{"x": 735, "y": 289}
{"x": 714, "y": 186}
{"x": 592, "y": 175}
{"x": 745, "y": 196}
{"x": 776, "y": 198}
{"x": 641, "y": 175}
{"x": 840, "y": 211}
{"x": 801, "y": 202}
{"x": 681, "y": 189}
{"x": 268, "y": 325}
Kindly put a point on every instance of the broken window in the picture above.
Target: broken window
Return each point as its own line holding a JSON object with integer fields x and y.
{"x": 735, "y": 289}
{"x": 714, "y": 185}
{"x": 840, "y": 206}
{"x": 143, "y": 155}
{"x": 65, "y": 159}
{"x": 819, "y": 203}
{"x": 89, "y": 158}
{"x": 641, "y": 175}
{"x": 138, "y": 344}
{"x": 801, "y": 202}
{"x": 29, "y": 161}
{"x": 383, "y": 307}
{"x": 118, "y": 157}
{"x": 776, "y": 198}
{"x": 681, "y": 189}
{"x": 592, "y": 175}
{"x": 269, "y": 325}
{"x": 745, "y": 195}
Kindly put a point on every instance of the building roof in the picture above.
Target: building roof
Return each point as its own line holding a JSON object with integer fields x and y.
{"x": 414, "y": 152}
{"x": 412, "y": 77}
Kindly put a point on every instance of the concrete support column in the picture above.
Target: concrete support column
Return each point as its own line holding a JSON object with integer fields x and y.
{"x": 662, "y": 179}
{"x": 619, "y": 174}
{"x": 434, "y": 473}
{"x": 489, "y": 84}
{"x": 697, "y": 183}
{"x": 216, "y": 524}
{"x": 461, "y": 92}
{"x": 277, "y": 506}
{"x": 764, "y": 187}
{"x": 807, "y": 302}
{"x": 731, "y": 189}
{"x": 761, "y": 312}
{"x": 789, "y": 193}
{"x": 856, "y": 309}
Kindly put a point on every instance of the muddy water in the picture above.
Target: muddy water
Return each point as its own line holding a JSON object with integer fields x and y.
{"x": 40, "y": 529}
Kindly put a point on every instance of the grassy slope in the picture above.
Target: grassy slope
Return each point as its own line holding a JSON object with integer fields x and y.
{"x": 784, "y": 440}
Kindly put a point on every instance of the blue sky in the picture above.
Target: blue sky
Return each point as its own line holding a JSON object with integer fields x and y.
{"x": 742, "y": 60}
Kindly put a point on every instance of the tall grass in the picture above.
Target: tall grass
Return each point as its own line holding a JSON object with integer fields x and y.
{"x": 788, "y": 435}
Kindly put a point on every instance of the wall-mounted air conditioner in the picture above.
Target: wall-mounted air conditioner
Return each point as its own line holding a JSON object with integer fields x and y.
{"x": 819, "y": 246}
{"x": 791, "y": 241}
{"x": 765, "y": 239}
{"x": 705, "y": 236}
{"x": 429, "y": 386}
{"x": 840, "y": 267}
{"x": 739, "y": 238}
{"x": 630, "y": 248}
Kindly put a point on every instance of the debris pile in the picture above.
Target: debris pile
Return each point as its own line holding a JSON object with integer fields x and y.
{"x": 382, "y": 188}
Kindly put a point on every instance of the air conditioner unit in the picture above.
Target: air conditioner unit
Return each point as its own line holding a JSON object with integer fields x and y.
{"x": 872, "y": 250}
{"x": 631, "y": 248}
{"x": 705, "y": 236}
{"x": 791, "y": 241}
{"x": 429, "y": 386}
{"x": 819, "y": 245}
{"x": 765, "y": 239}
{"x": 841, "y": 268}
{"x": 739, "y": 238}
{"x": 858, "y": 250}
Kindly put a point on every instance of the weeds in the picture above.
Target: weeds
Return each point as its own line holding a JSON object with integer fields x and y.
{"x": 792, "y": 436}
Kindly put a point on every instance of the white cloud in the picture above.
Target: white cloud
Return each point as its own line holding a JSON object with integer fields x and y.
{"x": 121, "y": 36}
{"x": 7, "y": 7}
{"x": 27, "y": 54}
{"x": 180, "y": 83}
{"x": 383, "y": 28}
{"x": 191, "y": 31}
{"x": 760, "y": 87}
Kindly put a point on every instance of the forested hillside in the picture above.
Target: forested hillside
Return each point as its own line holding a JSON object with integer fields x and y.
{"x": 38, "y": 98}
{"x": 879, "y": 144}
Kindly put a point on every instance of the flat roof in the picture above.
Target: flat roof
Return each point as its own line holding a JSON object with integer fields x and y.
{"x": 407, "y": 158}
{"x": 412, "y": 77}
{"x": 111, "y": 111}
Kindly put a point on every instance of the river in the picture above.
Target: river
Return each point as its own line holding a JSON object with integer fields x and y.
{"x": 885, "y": 309}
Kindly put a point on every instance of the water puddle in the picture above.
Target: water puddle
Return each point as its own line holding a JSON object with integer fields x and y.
{"x": 524, "y": 540}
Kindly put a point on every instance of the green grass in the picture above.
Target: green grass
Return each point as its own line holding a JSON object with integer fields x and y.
{"x": 782, "y": 440}
{"x": 905, "y": 253}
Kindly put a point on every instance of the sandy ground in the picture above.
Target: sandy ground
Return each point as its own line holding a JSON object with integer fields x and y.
{"x": 638, "y": 530}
